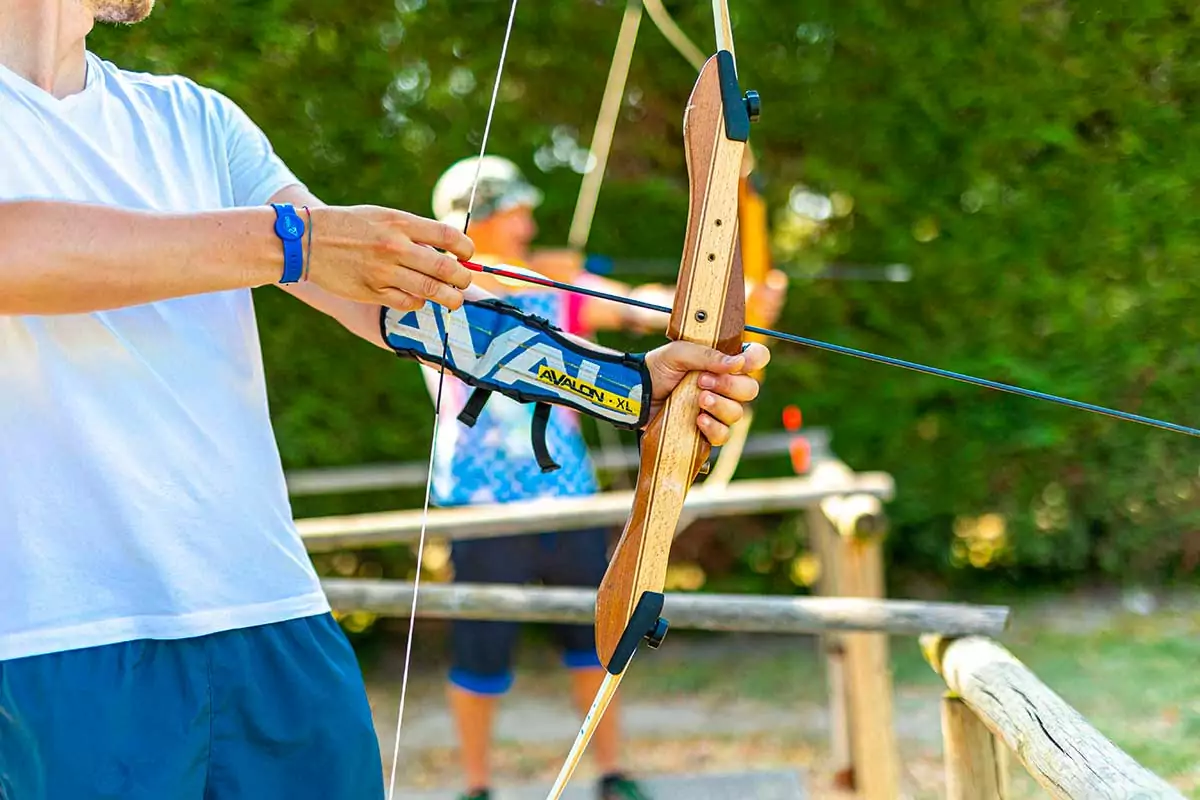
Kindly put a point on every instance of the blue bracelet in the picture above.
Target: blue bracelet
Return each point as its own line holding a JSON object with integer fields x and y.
{"x": 290, "y": 230}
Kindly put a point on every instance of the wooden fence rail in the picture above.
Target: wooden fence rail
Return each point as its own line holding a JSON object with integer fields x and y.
{"x": 376, "y": 477}
{"x": 710, "y": 612}
{"x": 1067, "y": 756}
{"x": 562, "y": 514}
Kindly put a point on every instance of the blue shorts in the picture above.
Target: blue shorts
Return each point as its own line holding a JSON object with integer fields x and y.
{"x": 277, "y": 711}
{"x": 483, "y": 649}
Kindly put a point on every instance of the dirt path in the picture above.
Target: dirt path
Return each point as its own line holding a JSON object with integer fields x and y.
{"x": 709, "y": 730}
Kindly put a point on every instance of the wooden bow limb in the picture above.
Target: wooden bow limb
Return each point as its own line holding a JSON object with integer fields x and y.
{"x": 752, "y": 210}
{"x": 753, "y": 224}
{"x": 606, "y": 125}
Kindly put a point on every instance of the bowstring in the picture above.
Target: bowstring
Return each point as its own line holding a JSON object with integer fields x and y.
{"x": 437, "y": 413}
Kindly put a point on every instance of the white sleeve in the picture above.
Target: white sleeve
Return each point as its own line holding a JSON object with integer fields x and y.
{"x": 256, "y": 172}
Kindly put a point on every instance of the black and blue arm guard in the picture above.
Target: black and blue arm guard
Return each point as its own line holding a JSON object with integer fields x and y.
{"x": 496, "y": 347}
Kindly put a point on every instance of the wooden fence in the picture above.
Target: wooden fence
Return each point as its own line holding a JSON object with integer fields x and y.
{"x": 994, "y": 703}
{"x": 376, "y": 477}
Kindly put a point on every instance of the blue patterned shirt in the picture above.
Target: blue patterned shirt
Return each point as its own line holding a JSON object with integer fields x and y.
{"x": 493, "y": 462}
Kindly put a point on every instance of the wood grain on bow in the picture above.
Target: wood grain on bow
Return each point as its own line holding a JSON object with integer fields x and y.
{"x": 709, "y": 309}
{"x": 752, "y": 210}
{"x": 756, "y": 266}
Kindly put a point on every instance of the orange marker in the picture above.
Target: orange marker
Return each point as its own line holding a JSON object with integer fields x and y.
{"x": 798, "y": 448}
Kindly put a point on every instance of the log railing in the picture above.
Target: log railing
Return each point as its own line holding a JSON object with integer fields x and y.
{"x": 996, "y": 705}
{"x": 410, "y": 474}
{"x": 577, "y": 513}
{"x": 847, "y": 533}
{"x": 684, "y": 610}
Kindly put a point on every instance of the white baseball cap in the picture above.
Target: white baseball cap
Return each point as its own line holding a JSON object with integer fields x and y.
{"x": 501, "y": 186}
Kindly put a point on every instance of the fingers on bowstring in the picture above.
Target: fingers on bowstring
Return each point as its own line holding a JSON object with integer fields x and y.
{"x": 437, "y": 265}
{"x": 429, "y": 275}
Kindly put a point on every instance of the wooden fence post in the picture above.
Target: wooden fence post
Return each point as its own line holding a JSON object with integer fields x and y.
{"x": 976, "y": 763}
{"x": 826, "y": 543}
{"x": 848, "y": 535}
{"x": 869, "y": 677}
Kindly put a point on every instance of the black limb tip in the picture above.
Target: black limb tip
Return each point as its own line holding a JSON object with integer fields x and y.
{"x": 645, "y": 622}
{"x": 753, "y": 105}
{"x": 737, "y": 121}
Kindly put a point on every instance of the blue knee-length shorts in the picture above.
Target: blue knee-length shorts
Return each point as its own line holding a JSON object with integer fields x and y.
{"x": 272, "y": 712}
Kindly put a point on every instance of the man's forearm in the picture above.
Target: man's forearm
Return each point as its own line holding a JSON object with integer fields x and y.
{"x": 67, "y": 258}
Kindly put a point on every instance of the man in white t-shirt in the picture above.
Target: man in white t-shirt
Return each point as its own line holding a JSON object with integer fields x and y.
{"x": 162, "y": 631}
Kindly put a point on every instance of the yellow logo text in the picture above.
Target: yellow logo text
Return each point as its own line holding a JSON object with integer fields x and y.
{"x": 593, "y": 394}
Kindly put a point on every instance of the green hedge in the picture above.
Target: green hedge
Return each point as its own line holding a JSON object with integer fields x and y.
{"x": 1032, "y": 162}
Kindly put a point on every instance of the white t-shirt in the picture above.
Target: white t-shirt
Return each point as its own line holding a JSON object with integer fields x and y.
{"x": 141, "y": 490}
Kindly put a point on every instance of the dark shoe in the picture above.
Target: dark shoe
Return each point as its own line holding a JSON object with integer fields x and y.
{"x": 618, "y": 787}
{"x": 478, "y": 794}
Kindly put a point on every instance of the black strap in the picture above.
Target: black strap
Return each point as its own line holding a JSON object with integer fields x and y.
{"x": 541, "y": 416}
{"x": 474, "y": 407}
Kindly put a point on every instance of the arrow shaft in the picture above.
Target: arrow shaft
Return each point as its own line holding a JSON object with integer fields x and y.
{"x": 850, "y": 351}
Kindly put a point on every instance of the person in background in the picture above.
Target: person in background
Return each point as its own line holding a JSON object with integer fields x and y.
{"x": 493, "y": 460}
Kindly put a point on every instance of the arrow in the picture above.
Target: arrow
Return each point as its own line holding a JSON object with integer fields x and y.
{"x": 533, "y": 278}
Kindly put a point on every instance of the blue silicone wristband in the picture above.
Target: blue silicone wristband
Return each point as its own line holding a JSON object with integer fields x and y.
{"x": 290, "y": 230}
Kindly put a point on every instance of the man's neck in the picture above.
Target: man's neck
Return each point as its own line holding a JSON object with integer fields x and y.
{"x": 43, "y": 41}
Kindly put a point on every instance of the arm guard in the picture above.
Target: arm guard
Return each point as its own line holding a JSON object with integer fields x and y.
{"x": 496, "y": 347}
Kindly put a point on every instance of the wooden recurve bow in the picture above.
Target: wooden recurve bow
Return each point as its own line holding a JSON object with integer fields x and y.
{"x": 709, "y": 309}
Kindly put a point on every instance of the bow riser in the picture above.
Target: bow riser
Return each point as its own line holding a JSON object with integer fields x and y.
{"x": 709, "y": 309}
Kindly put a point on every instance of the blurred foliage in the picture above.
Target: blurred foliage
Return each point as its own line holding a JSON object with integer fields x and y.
{"x": 1033, "y": 162}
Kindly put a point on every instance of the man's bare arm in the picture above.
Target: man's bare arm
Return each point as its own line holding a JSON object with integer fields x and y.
{"x": 67, "y": 258}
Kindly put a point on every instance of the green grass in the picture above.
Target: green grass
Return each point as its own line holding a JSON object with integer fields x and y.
{"x": 1136, "y": 681}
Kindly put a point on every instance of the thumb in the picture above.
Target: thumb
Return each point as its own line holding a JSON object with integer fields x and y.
{"x": 683, "y": 356}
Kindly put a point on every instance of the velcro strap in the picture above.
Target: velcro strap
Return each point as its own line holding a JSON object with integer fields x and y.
{"x": 474, "y": 407}
{"x": 541, "y": 417}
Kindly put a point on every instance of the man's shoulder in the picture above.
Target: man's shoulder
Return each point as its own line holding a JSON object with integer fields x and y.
{"x": 158, "y": 87}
